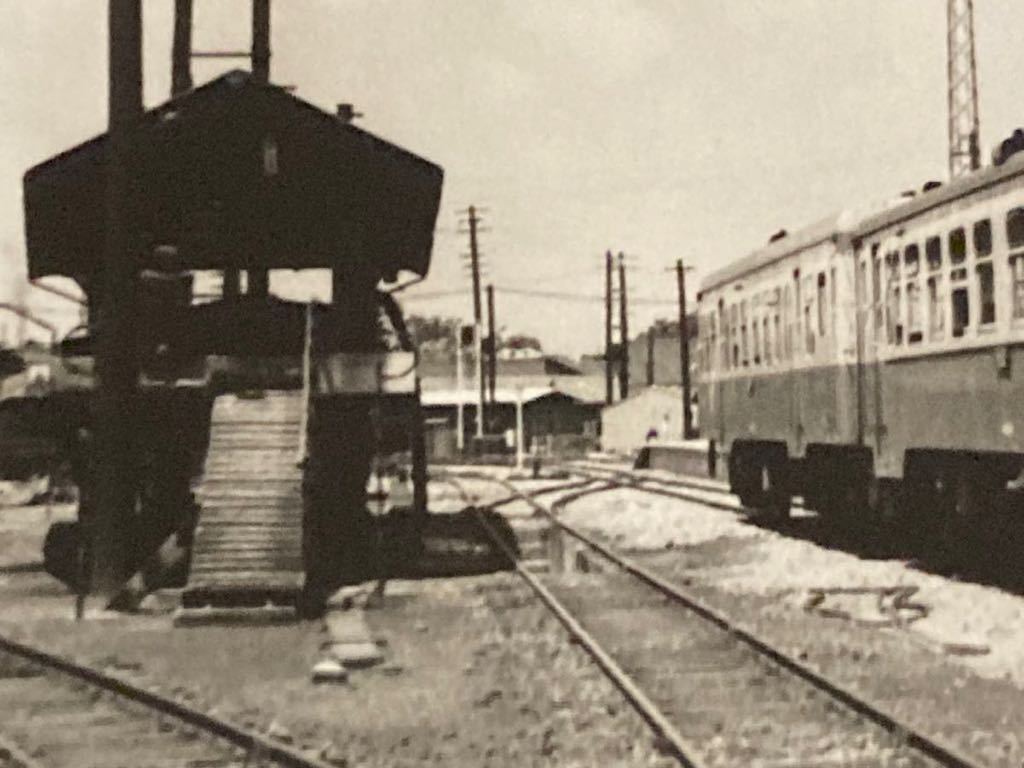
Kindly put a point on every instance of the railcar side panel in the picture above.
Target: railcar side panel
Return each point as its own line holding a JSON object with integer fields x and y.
{"x": 967, "y": 401}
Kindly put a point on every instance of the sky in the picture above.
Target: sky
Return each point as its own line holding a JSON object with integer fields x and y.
{"x": 665, "y": 129}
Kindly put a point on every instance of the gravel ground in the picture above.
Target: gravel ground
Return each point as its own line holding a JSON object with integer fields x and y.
{"x": 765, "y": 579}
{"x": 477, "y": 672}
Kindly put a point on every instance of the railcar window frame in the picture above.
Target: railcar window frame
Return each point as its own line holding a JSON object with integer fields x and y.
{"x": 894, "y": 323}
{"x": 755, "y": 330}
{"x": 744, "y": 333}
{"x": 809, "y": 312}
{"x": 787, "y": 319}
{"x": 984, "y": 274}
{"x": 877, "y": 305}
{"x": 822, "y": 300}
{"x": 914, "y": 331}
{"x": 959, "y": 289}
{"x": 1015, "y": 261}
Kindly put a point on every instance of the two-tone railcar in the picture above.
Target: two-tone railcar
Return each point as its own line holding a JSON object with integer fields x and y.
{"x": 874, "y": 363}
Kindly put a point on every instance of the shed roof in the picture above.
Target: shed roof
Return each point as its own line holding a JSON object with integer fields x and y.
{"x": 241, "y": 174}
{"x": 507, "y": 396}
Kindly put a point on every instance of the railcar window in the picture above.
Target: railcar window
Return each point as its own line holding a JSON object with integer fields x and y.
{"x": 822, "y": 304}
{"x": 734, "y": 330}
{"x": 1015, "y": 228}
{"x": 914, "y": 334}
{"x": 985, "y": 273}
{"x": 1017, "y": 271}
{"x": 961, "y": 311}
{"x": 933, "y": 253}
{"x": 767, "y": 341}
{"x": 936, "y": 308}
{"x": 876, "y": 296}
{"x": 756, "y": 333}
{"x": 809, "y": 338}
{"x": 723, "y": 330}
{"x": 777, "y": 339}
{"x": 832, "y": 302}
{"x": 982, "y": 238}
{"x": 894, "y": 307}
{"x": 713, "y": 340}
{"x": 986, "y": 292}
{"x": 787, "y": 309}
{"x": 957, "y": 246}
{"x": 744, "y": 336}
{"x": 911, "y": 260}
{"x": 911, "y": 267}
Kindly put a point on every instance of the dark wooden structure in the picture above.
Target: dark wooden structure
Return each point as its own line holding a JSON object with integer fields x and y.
{"x": 240, "y": 175}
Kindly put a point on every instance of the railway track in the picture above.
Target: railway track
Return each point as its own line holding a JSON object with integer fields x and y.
{"x": 56, "y": 713}
{"x": 714, "y": 693}
{"x": 711, "y": 493}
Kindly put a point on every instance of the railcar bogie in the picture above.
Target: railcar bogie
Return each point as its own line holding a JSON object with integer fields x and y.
{"x": 761, "y": 475}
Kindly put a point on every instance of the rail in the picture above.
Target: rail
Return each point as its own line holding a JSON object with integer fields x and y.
{"x": 258, "y": 747}
{"x": 935, "y": 748}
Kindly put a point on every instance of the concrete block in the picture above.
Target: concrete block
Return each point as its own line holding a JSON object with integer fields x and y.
{"x": 329, "y": 670}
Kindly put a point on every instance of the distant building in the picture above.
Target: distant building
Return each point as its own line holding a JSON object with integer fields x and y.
{"x": 553, "y": 421}
{"x": 626, "y": 425}
{"x": 654, "y": 358}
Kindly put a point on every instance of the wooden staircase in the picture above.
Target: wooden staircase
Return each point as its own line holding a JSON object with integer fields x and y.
{"x": 247, "y": 549}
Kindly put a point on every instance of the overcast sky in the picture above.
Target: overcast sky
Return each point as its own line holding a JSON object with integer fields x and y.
{"x": 663, "y": 128}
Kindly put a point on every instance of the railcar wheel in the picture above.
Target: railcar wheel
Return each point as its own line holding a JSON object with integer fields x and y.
{"x": 964, "y": 518}
{"x": 775, "y": 498}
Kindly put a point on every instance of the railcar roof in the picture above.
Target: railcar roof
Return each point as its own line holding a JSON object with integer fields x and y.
{"x": 863, "y": 224}
{"x": 245, "y": 175}
{"x": 925, "y": 201}
{"x": 821, "y": 231}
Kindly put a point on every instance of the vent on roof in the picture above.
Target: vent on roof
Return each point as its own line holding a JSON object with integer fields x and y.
{"x": 347, "y": 113}
{"x": 930, "y": 185}
{"x": 1008, "y": 147}
{"x": 908, "y": 193}
{"x": 777, "y": 236}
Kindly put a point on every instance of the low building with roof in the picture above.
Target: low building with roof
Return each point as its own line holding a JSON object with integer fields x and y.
{"x": 554, "y": 421}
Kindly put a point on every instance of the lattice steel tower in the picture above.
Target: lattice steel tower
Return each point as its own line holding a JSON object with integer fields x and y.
{"x": 964, "y": 145}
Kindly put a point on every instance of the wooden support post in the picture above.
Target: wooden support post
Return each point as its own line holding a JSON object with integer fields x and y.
{"x": 258, "y": 282}
{"x": 181, "y": 54}
{"x": 117, "y": 357}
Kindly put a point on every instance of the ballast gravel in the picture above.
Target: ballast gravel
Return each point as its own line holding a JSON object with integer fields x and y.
{"x": 955, "y": 663}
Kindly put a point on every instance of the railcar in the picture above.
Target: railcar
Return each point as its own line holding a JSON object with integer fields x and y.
{"x": 872, "y": 362}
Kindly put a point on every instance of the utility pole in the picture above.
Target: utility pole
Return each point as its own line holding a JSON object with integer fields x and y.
{"x": 623, "y": 331}
{"x": 492, "y": 348}
{"x": 649, "y": 368}
{"x": 474, "y": 256}
{"x": 609, "y": 393}
{"x": 107, "y": 523}
{"x": 258, "y": 282}
{"x": 460, "y": 428}
{"x": 684, "y": 349}
{"x": 962, "y": 82}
